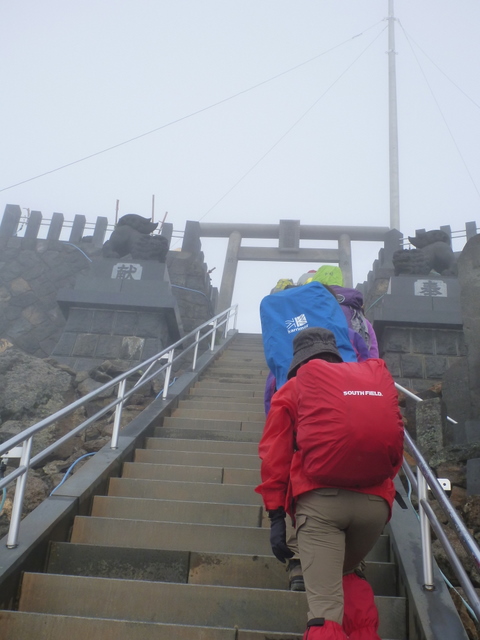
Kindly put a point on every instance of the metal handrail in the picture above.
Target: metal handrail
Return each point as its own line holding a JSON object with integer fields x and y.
{"x": 454, "y": 235}
{"x": 147, "y": 370}
{"x": 425, "y": 480}
{"x": 68, "y": 224}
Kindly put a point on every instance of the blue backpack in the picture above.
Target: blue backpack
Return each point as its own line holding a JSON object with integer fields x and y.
{"x": 285, "y": 313}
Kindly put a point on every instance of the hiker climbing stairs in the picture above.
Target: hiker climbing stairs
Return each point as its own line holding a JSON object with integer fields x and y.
{"x": 179, "y": 548}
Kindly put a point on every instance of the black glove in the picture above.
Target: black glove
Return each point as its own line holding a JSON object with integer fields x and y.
{"x": 278, "y": 535}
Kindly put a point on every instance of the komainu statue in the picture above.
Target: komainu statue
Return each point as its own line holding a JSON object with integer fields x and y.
{"x": 131, "y": 236}
{"x": 433, "y": 252}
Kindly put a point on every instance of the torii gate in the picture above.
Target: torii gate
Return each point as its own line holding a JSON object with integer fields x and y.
{"x": 289, "y": 233}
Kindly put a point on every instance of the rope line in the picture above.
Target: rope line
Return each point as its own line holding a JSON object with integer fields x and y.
{"x": 291, "y": 127}
{"x": 439, "y": 69}
{"x": 190, "y": 115}
{"x": 442, "y": 114}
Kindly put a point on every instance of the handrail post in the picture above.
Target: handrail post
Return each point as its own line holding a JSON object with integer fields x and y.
{"x": 212, "y": 342}
{"x": 118, "y": 414}
{"x": 228, "y": 319}
{"x": 195, "y": 353}
{"x": 17, "y": 507}
{"x": 235, "y": 316}
{"x": 425, "y": 533}
{"x": 168, "y": 372}
{"x": 225, "y": 324}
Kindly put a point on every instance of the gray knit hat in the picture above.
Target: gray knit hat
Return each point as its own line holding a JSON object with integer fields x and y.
{"x": 312, "y": 342}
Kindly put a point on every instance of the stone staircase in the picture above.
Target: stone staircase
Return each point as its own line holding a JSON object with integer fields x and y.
{"x": 179, "y": 548}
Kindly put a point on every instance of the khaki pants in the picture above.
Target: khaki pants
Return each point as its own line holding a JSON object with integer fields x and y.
{"x": 292, "y": 538}
{"x": 336, "y": 529}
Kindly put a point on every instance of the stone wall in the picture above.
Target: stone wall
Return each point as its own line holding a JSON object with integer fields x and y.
{"x": 192, "y": 288}
{"x": 419, "y": 357}
{"x": 92, "y": 336}
{"x": 33, "y": 271}
{"x": 30, "y": 317}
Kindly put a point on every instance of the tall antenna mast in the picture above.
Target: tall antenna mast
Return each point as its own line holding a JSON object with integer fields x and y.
{"x": 393, "y": 123}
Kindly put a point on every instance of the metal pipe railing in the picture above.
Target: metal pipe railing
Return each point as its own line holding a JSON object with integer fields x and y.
{"x": 461, "y": 530}
{"x": 425, "y": 480}
{"x": 19, "y": 495}
{"x": 147, "y": 370}
{"x": 453, "y": 558}
{"x": 417, "y": 399}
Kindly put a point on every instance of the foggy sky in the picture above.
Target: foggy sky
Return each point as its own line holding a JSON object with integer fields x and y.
{"x": 310, "y": 144}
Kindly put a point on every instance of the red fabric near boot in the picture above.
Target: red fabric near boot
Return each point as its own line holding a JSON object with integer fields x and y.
{"x": 328, "y": 631}
{"x": 360, "y": 615}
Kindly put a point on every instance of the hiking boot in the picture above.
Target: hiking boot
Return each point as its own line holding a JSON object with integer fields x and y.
{"x": 360, "y": 570}
{"x": 295, "y": 575}
{"x": 321, "y": 629}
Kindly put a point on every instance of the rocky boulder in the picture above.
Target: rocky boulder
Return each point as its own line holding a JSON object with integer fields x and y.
{"x": 32, "y": 389}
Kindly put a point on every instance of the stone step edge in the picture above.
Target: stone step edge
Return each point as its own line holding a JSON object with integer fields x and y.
{"x": 215, "y": 632}
{"x": 183, "y": 502}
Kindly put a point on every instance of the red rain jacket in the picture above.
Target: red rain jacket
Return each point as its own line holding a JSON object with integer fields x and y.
{"x": 282, "y": 475}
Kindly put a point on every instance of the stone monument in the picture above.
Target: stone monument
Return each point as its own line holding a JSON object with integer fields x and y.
{"x": 123, "y": 308}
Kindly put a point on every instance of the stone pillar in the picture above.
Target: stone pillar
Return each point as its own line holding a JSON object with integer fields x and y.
{"x": 469, "y": 279}
{"x": 289, "y": 235}
{"x": 393, "y": 242}
{"x": 470, "y": 229}
{"x": 229, "y": 271}
{"x": 100, "y": 231}
{"x": 167, "y": 231}
{"x": 430, "y": 419}
{"x": 473, "y": 477}
{"x": 345, "y": 261}
{"x": 191, "y": 238}
{"x": 31, "y": 232}
{"x": 55, "y": 229}
{"x": 78, "y": 228}
{"x": 9, "y": 223}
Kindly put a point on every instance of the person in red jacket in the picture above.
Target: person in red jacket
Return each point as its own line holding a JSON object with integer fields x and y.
{"x": 336, "y": 526}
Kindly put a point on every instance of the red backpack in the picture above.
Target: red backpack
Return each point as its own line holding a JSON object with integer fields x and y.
{"x": 350, "y": 430}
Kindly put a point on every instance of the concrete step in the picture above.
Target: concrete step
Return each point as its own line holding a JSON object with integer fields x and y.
{"x": 21, "y": 625}
{"x": 226, "y": 392}
{"x": 214, "y": 413}
{"x": 245, "y": 353}
{"x": 262, "y": 572}
{"x": 172, "y": 472}
{"x": 184, "y": 473}
{"x": 198, "y": 458}
{"x": 207, "y": 434}
{"x": 236, "y": 366}
{"x": 181, "y": 540}
{"x": 175, "y": 536}
{"x": 246, "y": 349}
{"x": 240, "y": 404}
{"x": 222, "y": 425}
{"x": 184, "y": 604}
{"x": 181, "y": 536}
{"x": 243, "y": 363}
{"x": 211, "y": 446}
{"x": 254, "y": 376}
{"x": 382, "y": 576}
{"x": 211, "y": 383}
{"x": 259, "y": 572}
{"x": 242, "y": 345}
{"x": 189, "y": 491}
{"x": 177, "y": 511}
